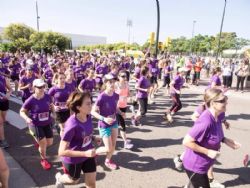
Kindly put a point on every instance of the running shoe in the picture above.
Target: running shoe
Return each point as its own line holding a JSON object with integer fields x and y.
{"x": 178, "y": 163}
{"x": 45, "y": 164}
{"x": 170, "y": 118}
{"x": 246, "y": 160}
{"x": 128, "y": 145}
{"x": 58, "y": 183}
{"x": 133, "y": 121}
{"x": 4, "y": 144}
{"x": 110, "y": 165}
{"x": 216, "y": 184}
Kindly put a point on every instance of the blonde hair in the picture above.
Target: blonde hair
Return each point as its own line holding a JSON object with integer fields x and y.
{"x": 212, "y": 94}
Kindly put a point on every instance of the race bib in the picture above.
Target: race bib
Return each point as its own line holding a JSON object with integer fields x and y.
{"x": 43, "y": 116}
{"x": 154, "y": 70}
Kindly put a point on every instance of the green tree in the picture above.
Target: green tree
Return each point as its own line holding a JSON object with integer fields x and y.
{"x": 49, "y": 41}
{"x": 16, "y": 31}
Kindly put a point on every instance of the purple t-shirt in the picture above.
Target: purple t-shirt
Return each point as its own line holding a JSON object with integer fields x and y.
{"x": 72, "y": 85}
{"x": 87, "y": 85}
{"x": 25, "y": 81}
{"x": 39, "y": 110}
{"x": 107, "y": 106}
{"x": 48, "y": 74}
{"x": 167, "y": 69}
{"x": 79, "y": 135}
{"x": 15, "y": 69}
{"x": 144, "y": 83}
{"x": 101, "y": 70}
{"x": 207, "y": 133}
{"x": 178, "y": 83}
{"x": 60, "y": 97}
{"x": 216, "y": 80}
{"x": 78, "y": 71}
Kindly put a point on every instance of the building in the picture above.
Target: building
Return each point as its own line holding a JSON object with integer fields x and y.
{"x": 80, "y": 40}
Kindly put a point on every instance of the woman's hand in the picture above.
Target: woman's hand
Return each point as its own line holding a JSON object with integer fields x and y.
{"x": 213, "y": 154}
{"x": 109, "y": 121}
{"x": 90, "y": 153}
{"x": 232, "y": 144}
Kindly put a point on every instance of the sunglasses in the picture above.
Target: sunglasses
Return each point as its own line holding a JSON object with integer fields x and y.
{"x": 222, "y": 100}
{"x": 123, "y": 76}
{"x": 41, "y": 87}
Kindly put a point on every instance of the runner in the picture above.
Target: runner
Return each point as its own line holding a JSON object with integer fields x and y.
{"x": 105, "y": 110}
{"x": 36, "y": 111}
{"x": 25, "y": 83}
{"x": 5, "y": 92}
{"x": 122, "y": 89}
{"x": 88, "y": 84}
{"x": 76, "y": 149}
{"x": 70, "y": 80}
{"x": 142, "y": 86}
{"x": 204, "y": 139}
{"x": 175, "y": 91}
{"x": 14, "y": 68}
{"x": 215, "y": 80}
{"x": 197, "y": 68}
{"x": 60, "y": 94}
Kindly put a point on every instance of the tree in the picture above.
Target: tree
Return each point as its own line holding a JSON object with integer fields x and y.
{"x": 16, "y": 31}
{"x": 49, "y": 41}
{"x": 228, "y": 40}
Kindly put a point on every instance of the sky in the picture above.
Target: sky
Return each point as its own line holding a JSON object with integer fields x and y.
{"x": 109, "y": 17}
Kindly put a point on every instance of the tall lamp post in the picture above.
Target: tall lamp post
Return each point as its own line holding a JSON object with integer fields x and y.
{"x": 221, "y": 26}
{"x": 158, "y": 27}
{"x": 129, "y": 25}
{"x": 37, "y": 17}
{"x": 191, "y": 46}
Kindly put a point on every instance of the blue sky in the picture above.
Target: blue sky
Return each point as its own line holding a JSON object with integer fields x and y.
{"x": 108, "y": 17}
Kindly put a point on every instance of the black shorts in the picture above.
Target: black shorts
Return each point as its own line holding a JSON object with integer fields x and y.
{"x": 197, "y": 75}
{"x": 40, "y": 132}
{"x": 198, "y": 180}
{"x": 153, "y": 80}
{"x": 74, "y": 170}
{"x": 61, "y": 117}
{"x": 143, "y": 105}
{"x": 14, "y": 78}
{"x": 4, "y": 105}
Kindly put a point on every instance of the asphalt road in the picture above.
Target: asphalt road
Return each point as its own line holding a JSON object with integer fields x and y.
{"x": 150, "y": 162}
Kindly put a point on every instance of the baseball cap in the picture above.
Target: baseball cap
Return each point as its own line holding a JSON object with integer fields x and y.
{"x": 38, "y": 83}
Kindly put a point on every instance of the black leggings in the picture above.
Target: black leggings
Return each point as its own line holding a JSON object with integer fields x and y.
{"x": 226, "y": 81}
{"x": 198, "y": 180}
{"x": 166, "y": 81}
{"x": 240, "y": 82}
{"x": 121, "y": 120}
{"x": 176, "y": 106}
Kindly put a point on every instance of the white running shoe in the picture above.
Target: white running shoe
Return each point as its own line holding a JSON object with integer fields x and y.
{"x": 128, "y": 145}
{"x": 58, "y": 183}
{"x": 216, "y": 184}
{"x": 178, "y": 163}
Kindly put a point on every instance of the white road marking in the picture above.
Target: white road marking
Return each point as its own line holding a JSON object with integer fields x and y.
{"x": 14, "y": 119}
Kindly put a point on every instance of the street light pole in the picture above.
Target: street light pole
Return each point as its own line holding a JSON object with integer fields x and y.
{"x": 158, "y": 27}
{"x": 129, "y": 25}
{"x": 221, "y": 26}
{"x": 37, "y": 17}
{"x": 191, "y": 50}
